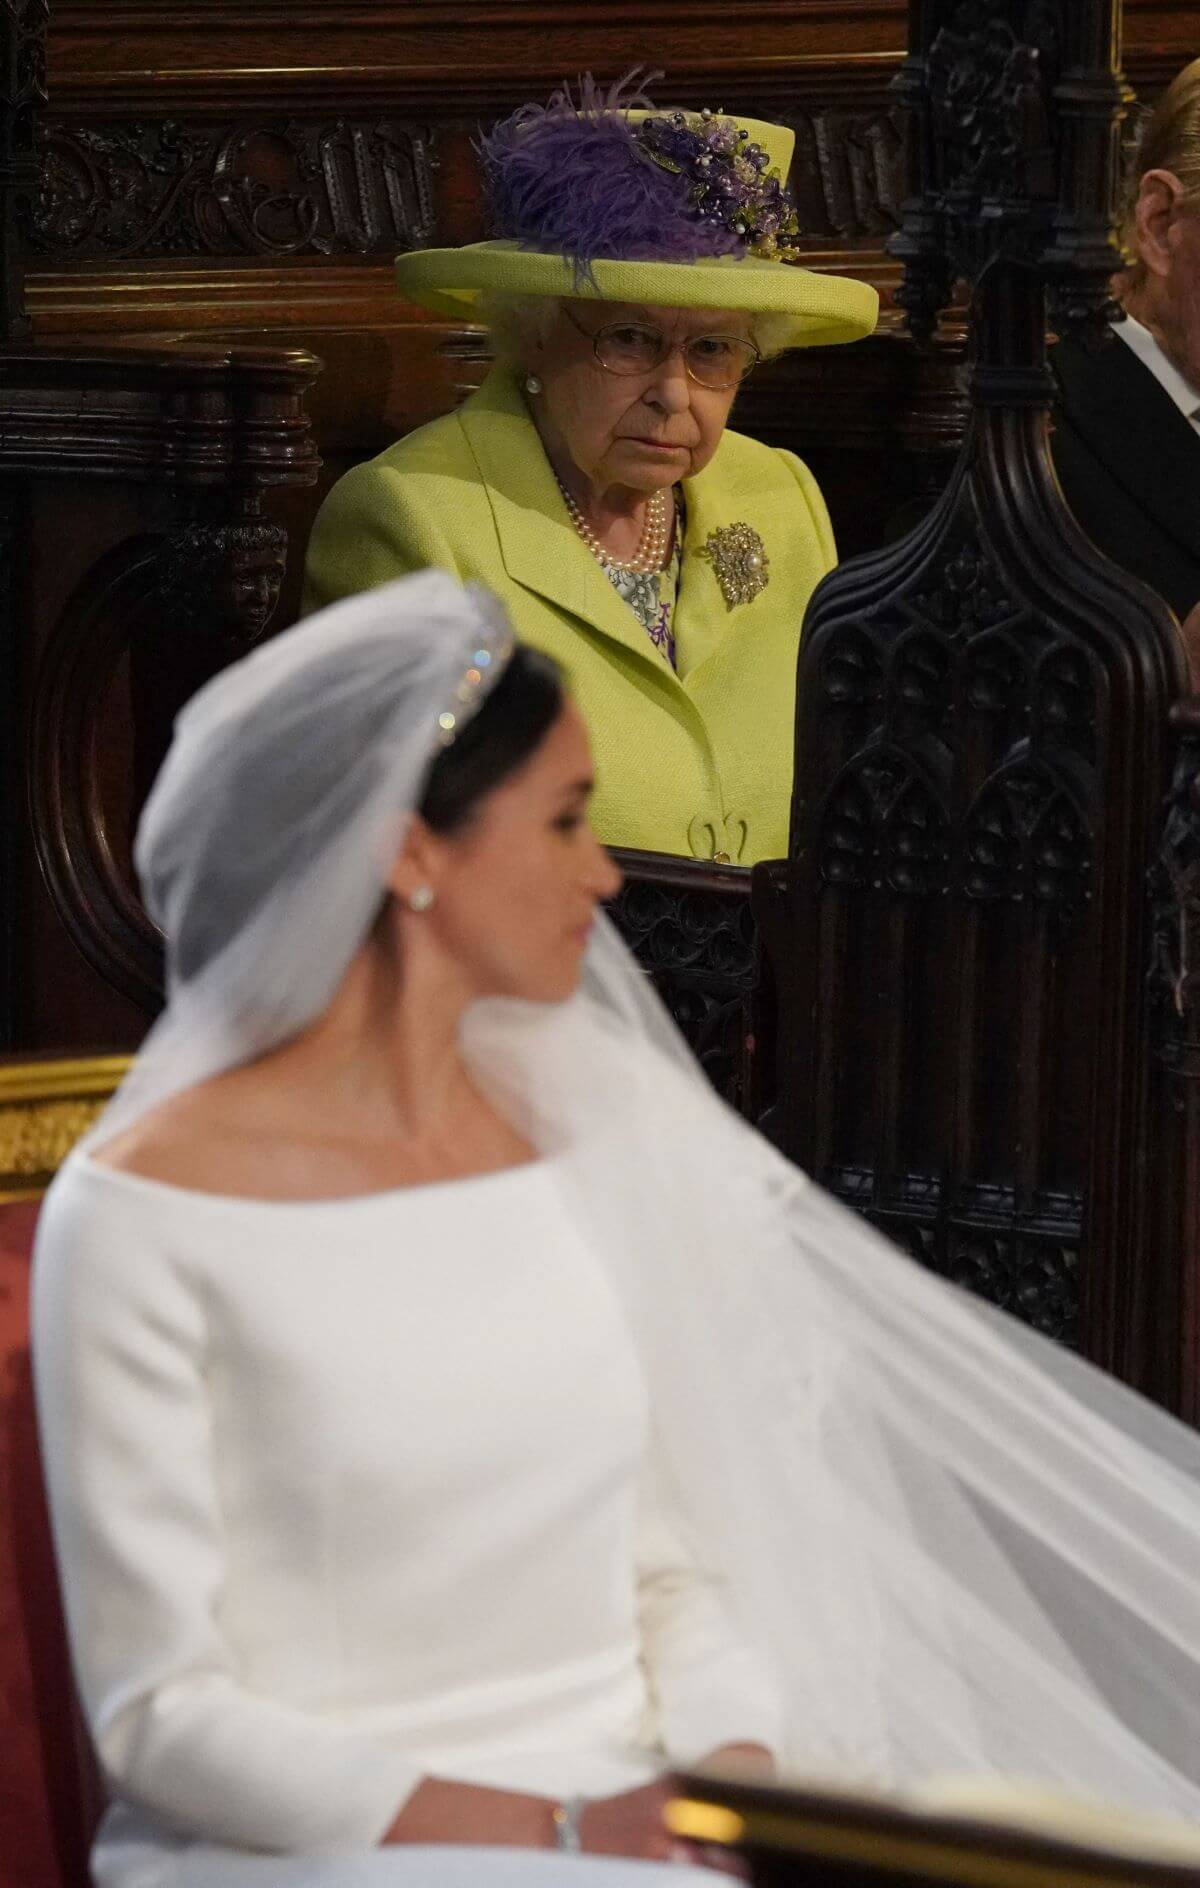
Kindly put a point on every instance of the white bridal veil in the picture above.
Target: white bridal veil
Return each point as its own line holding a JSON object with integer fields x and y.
{"x": 965, "y": 1551}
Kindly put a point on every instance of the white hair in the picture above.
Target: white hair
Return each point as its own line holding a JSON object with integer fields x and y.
{"x": 515, "y": 322}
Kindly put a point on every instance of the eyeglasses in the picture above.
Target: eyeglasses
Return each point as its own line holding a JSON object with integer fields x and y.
{"x": 712, "y": 360}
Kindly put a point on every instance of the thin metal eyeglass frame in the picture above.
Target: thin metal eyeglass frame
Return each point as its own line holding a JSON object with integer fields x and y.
{"x": 667, "y": 349}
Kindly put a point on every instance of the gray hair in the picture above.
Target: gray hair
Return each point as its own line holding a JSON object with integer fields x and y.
{"x": 514, "y": 321}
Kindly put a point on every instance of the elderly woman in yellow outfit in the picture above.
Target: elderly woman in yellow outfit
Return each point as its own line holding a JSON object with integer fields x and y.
{"x": 664, "y": 561}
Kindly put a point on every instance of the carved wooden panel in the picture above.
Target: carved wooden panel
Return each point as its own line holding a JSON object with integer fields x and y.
{"x": 956, "y": 733}
{"x": 22, "y": 101}
{"x": 692, "y": 930}
{"x": 135, "y": 485}
{"x": 145, "y": 627}
{"x": 166, "y": 187}
{"x": 962, "y": 939}
{"x": 1173, "y": 989}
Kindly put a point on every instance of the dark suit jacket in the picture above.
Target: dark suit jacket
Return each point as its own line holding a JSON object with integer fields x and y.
{"x": 1129, "y": 465}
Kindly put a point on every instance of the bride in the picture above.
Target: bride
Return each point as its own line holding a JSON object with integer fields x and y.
{"x": 454, "y": 1418}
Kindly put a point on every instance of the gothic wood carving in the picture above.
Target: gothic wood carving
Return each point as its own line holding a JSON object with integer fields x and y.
{"x": 849, "y": 171}
{"x": 981, "y": 750}
{"x": 23, "y": 25}
{"x": 1002, "y": 99}
{"x": 148, "y": 187}
{"x": 223, "y": 580}
{"x": 691, "y": 929}
{"x": 1173, "y": 984}
{"x": 166, "y": 187}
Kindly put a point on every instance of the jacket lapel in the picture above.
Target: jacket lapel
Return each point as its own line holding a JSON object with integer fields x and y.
{"x": 1108, "y": 397}
{"x": 539, "y": 545}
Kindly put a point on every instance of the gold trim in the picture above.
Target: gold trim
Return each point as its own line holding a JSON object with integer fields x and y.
{"x": 897, "y": 1851}
{"x": 402, "y": 72}
{"x": 704, "y": 1822}
{"x": 45, "y": 1108}
{"x": 50, "y": 1079}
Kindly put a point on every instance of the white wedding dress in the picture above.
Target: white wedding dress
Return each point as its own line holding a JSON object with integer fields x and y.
{"x": 350, "y": 1492}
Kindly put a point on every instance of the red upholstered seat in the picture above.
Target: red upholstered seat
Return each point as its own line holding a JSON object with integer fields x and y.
{"x": 48, "y": 1798}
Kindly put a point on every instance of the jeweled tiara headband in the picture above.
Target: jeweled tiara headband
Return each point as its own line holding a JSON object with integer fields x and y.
{"x": 493, "y": 651}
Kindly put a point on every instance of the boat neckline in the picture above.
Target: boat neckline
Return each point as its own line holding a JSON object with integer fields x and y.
{"x": 145, "y": 1182}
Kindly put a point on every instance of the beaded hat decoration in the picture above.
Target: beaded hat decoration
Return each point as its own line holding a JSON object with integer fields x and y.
{"x": 607, "y": 176}
{"x": 731, "y": 179}
{"x": 599, "y": 194}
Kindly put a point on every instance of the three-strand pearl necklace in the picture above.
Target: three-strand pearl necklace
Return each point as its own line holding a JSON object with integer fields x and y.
{"x": 652, "y": 545}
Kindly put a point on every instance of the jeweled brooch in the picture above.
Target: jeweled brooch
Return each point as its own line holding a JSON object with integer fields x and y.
{"x": 739, "y": 560}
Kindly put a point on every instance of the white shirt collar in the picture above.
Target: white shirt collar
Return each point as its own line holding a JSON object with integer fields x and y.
{"x": 1168, "y": 376}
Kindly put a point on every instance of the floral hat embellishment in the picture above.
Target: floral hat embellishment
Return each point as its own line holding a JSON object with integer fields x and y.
{"x": 740, "y": 562}
{"x": 731, "y": 181}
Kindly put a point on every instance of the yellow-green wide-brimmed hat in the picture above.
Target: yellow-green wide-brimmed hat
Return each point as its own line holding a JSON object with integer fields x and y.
{"x": 741, "y": 175}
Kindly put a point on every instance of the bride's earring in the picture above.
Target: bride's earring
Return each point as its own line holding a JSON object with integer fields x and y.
{"x": 532, "y": 384}
{"x": 421, "y": 899}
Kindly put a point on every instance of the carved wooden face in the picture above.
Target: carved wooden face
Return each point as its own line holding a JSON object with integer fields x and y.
{"x": 247, "y": 590}
{"x": 635, "y": 432}
{"x": 515, "y": 891}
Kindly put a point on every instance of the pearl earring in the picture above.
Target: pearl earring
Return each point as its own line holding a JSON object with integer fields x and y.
{"x": 421, "y": 899}
{"x": 532, "y": 384}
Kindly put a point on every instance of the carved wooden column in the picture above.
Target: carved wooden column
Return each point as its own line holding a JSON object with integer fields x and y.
{"x": 22, "y": 95}
{"x": 962, "y": 936}
{"x": 1174, "y": 990}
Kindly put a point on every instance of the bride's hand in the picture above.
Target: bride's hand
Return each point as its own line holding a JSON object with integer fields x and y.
{"x": 629, "y": 1824}
{"x": 749, "y": 1760}
{"x": 632, "y": 1825}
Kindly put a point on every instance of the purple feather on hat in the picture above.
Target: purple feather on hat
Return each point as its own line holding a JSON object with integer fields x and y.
{"x": 573, "y": 179}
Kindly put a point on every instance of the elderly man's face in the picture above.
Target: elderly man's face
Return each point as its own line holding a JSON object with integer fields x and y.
{"x": 1168, "y": 240}
{"x": 639, "y": 432}
{"x": 1182, "y": 315}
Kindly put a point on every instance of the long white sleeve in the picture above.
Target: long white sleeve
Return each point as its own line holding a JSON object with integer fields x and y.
{"x": 126, "y": 1414}
{"x": 708, "y": 1687}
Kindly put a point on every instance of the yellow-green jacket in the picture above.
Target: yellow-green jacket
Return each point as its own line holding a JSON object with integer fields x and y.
{"x": 697, "y": 762}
